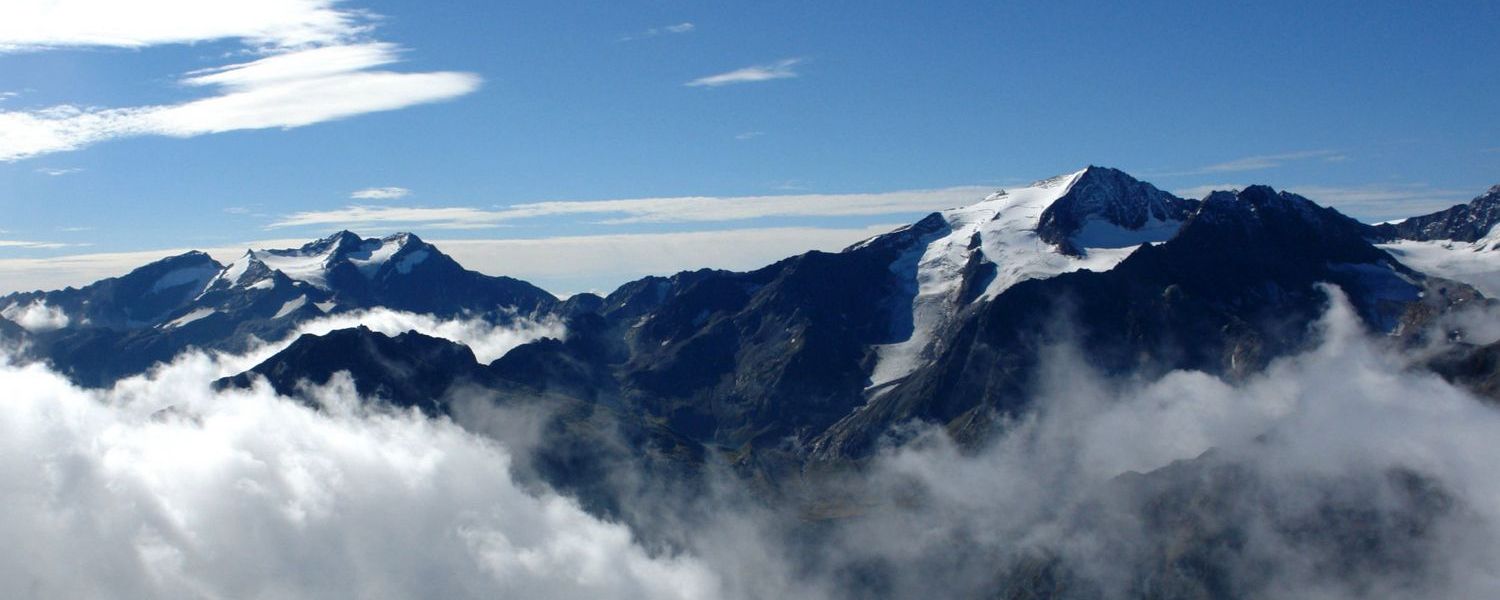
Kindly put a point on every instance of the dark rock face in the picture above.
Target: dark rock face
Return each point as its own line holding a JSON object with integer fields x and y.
{"x": 11, "y": 333}
{"x": 408, "y": 370}
{"x": 780, "y": 357}
{"x": 140, "y": 298}
{"x": 1111, "y": 196}
{"x": 1474, "y": 367}
{"x": 1461, "y": 223}
{"x": 587, "y": 447}
{"x": 420, "y": 278}
{"x": 1236, "y": 287}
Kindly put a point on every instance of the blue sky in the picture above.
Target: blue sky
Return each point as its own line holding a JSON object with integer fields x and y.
{"x": 129, "y": 133}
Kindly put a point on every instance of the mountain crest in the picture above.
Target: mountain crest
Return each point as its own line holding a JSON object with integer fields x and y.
{"x": 1101, "y": 199}
{"x": 317, "y": 262}
{"x": 1461, "y": 223}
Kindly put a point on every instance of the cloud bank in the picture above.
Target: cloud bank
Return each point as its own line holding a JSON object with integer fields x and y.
{"x": 163, "y": 489}
{"x": 1338, "y": 473}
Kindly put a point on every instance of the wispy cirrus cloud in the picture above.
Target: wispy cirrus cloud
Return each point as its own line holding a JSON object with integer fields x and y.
{"x": 318, "y": 66}
{"x": 644, "y": 210}
{"x": 679, "y": 28}
{"x": 380, "y": 193}
{"x": 56, "y": 172}
{"x": 30, "y": 245}
{"x": 781, "y": 69}
{"x": 1259, "y": 162}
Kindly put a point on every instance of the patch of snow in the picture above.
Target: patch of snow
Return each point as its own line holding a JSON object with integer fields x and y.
{"x": 198, "y": 276}
{"x": 189, "y": 318}
{"x": 326, "y": 306}
{"x": 411, "y": 260}
{"x": 264, "y": 284}
{"x": 312, "y": 268}
{"x": 36, "y": 316}
{"x": 1006, "y": 223}
{"x": 234, "y": 271}
{"x": 1476, "y": 264}
{"x": 374, "y": 254}
{"x": 307, "y": 268}
{"x": 291, "y": 305}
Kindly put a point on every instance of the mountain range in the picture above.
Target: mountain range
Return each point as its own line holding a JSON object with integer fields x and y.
{"x": 814, "y": 363}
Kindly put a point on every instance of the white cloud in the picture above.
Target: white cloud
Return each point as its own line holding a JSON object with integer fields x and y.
{"x": 1260, "y": 162}
{"x": 781, "y": 69}
{"x": 29, "y": 25}
{"x": 319, "y": 70}
{"x": 1199, "y": 191}
{"x": 646, "y": 210}
{"x": 749, "y": 135}
{"x": 380, "y": 193}
{"x": 35, "y": 245}
{"x": 488, "y": 340}
{"x": 55, "y": 172}
{"x": 1271, "y": 161}
{"x": 683, "y": 27}
{"x": 164, "y": 488}
{"x": 36, "y": 316}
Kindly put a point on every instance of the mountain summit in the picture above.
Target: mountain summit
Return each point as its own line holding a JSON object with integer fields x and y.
{"x": 1105, "y": 207}
{"x": 1461, "y": 223}
{"x": 188, "y": 300}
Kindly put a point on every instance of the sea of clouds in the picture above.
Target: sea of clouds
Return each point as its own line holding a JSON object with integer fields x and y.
{"x": 162, "y": 487}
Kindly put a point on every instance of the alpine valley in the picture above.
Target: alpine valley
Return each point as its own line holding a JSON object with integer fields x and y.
{"x": 827, "y": 392}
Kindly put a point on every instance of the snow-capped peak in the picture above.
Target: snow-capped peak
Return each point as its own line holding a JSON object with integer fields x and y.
{"x": 313, "y": 263}
{"x": 1095, "y": 217}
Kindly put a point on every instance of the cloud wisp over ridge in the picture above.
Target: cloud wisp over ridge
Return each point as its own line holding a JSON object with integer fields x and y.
{"x": 318, "y": 65}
